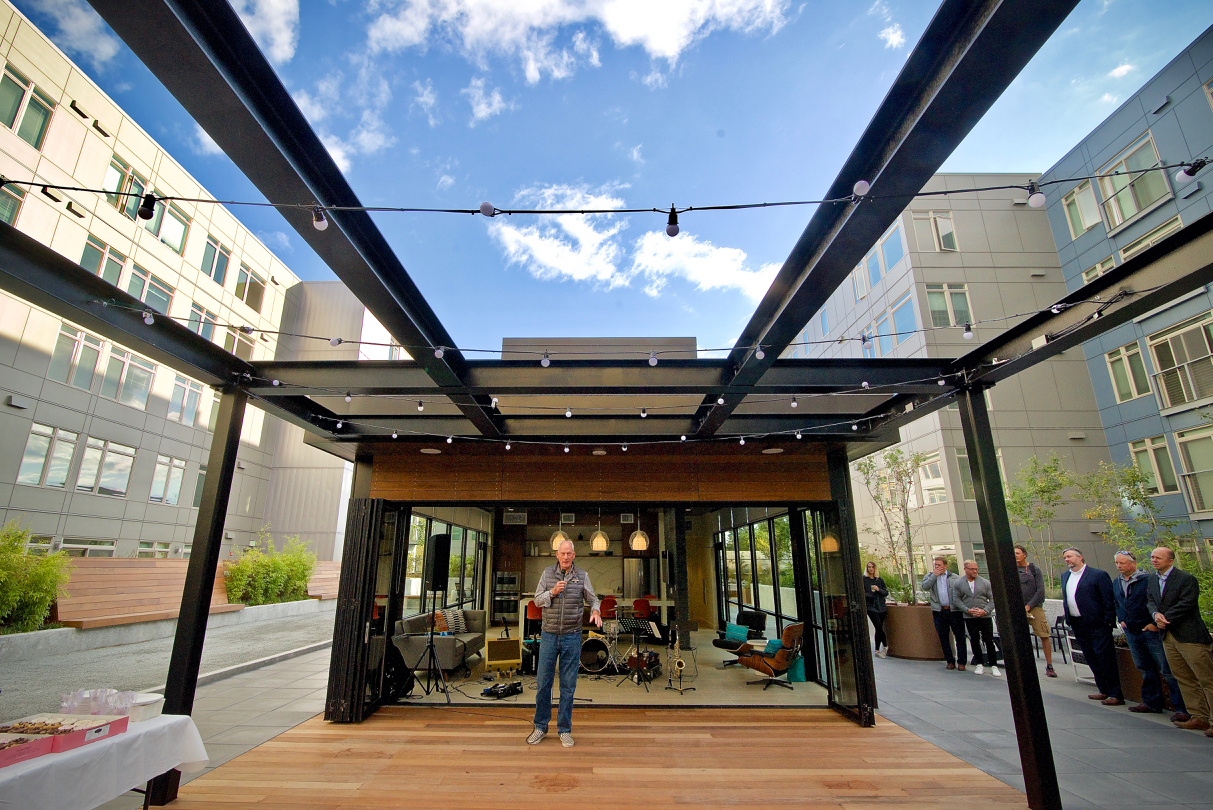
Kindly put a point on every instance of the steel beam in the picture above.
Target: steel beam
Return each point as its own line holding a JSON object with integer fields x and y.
{"x": 182, "y": 681}
{"x": 682, "y": 596}
{"x": 202, "y": 53}
{"x": 1027, "y": 706}
{"x": 968, "y": 55}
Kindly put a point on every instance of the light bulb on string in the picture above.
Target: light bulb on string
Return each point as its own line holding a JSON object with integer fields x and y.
{"x": 854, "y": 426}
{"x": 394, "y": 436}
{"x": 439, "y": 352}
{"x": 1188, "y": 172}
{"x": 348, "y": 397}
{"x": 147, "y": 209}
{"x": 941, "y": 381}
{"x": 644, "y": 412}
{"x": 450, "y": 439}
{"x": 568, "y": 413}
{"x": 148, "y": 317}
{"x": 652, "y": 358}
{"x": 720, "y": 399}
{"x": 968, "y": 333}
{"x": 546, "y": 361}
{"x": 1036, "y": 197}
{"x": 493, "y": 404}
{"x": 420, "y": 406}
{"x": 335, "y": 341}
{"x": 795, "y": 404}
{"x": 507, "y": 445}
{"x": 743, "y": 440}
{"x": 798, "y": 434}
{"x": 1056, "y": 309}
{"x": 487, "y": 209}
{"x": 625, "y": 448}
{"x": 319, "y": 220}
{"x": 275, "y": 383}
{"x": 671, "y": 227}
{"x": 684, "y": 438}
{"x": 566, "y": 447}
{"x": 864, "y": 340}
{"x": 759, "y": 353}
{"x": 339, "y": 424}
{"x": 861, "y": 187}
{"x": 864, "y": 384}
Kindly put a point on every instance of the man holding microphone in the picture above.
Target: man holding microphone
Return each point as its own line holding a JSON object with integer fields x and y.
{"x": 563, "y": 589}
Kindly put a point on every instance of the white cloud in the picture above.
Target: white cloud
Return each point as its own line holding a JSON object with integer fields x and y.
{"x": 427, "y": 100}
{"x": 445, "y": 182}
{"x": 484, "y": 105}
{"x": 634, "y": 154}
{"x": 317, "y": 106}
{"x": 80, "y": 30}
{"x": 338, "y": 150}
{"x": 880, "y": 9}
{"x": 202, "y": 143}
{"x": 580, "y": 247}
{"x": 655, "y": 80}
{"x": 276, "y": 240}
{"x": 659, "y": 258}
{"x": 274, "y": 24}
{"x": 893, "y": 36}
{"x": 1116, "y": 73}
{"x": 371, "y": 135}
{"x": 528, "y": 32}
{"x": 1108, "y": 98}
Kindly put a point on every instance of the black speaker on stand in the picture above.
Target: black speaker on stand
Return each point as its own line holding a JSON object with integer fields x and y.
{"x": 434, "y": 578}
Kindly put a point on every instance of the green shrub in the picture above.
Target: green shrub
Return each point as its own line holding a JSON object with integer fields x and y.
{"x": 28, "y": 585}
{"x": 267, "y": 577}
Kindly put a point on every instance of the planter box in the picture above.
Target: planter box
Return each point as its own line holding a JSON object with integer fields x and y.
{"x": 911, "y": 633}
{"x": 1130, "y": 679}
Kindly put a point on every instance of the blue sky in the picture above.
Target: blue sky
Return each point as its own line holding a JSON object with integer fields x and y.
{"x": 614, "y": 103}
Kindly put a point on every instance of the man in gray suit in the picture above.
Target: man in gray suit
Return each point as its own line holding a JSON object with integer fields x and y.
{"x": 975, "y": 598}
{"x": 1173, "y": 598}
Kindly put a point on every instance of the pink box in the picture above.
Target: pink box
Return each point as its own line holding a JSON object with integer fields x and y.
{"x": 36, "y": 747}
{"x": 107, "y": 726}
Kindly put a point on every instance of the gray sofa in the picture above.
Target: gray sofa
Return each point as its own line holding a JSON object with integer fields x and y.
{"x": 412, "y": 634}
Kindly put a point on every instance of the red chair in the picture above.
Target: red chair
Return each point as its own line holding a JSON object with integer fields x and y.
{"x": 642, "y": 609}
{"x": 607, "y": 607}
{"x": 534, "y": 613}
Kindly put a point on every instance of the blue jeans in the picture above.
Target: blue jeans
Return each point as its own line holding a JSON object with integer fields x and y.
{"x": 1151, "y": 661}
{"x": 567, "y": 648}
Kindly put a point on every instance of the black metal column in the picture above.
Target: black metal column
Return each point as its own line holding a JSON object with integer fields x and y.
{"x": 182, "y": 680}
{"x": 804, "y": 590}
{"x": 1027, "y": 707}
{"x": 682, "y": 599}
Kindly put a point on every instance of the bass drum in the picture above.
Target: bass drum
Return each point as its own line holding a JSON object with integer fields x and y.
{"x": 595, "y": 654}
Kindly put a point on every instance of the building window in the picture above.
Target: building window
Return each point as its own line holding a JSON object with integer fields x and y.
{"x": 1153, "y": 458}
{"x": 48, "y": 457}
{"x": 891, "y": 249}
{"x": 238, "y": 344}
{"x": 172, "y": 228}
{"x": 859, "y": 282}
{"x": 825, "y": 322}
{"x": 198, "y": 486}
{"x": 79, "y": 547}
{"x": 214, "y": 260}
{"x": 1152, "y": 238}
{"x": 153, "y": 225}
{"x": 1082, "y": 210}
{"x": 967, "y": 491}
{"x": 183, "y": 407}
{"x": 934, "y": 231}
{"x": 250, "y": 288}
{"x": 904, "y": 323}
{"x": 871, "y": 266}
{"x": 1182, "y": 359}
{"x": 10, "y": 203}
{"x": 128, "y": 378}
{"x": 949, "y": 304}
{"x": 154, "y": 550}
{"x": 1128, "y": 187}
{"x": 396, "y": 352}
{"x": 1196, "y": 455}
{"x": 102, "y": 260}
{"x": 884, "y": 337}
{"x": 74, "y": 361}
{"x": 166, "y": 482}
{"x": 213, "y": 416}
{"x": 24, "y": 108}
{"x": 123, "y": 187}
{"x": 933, "y": 489}
{"x": 202, "y": 321}
{"x": 106, "y": 468}
{"x": 1097, "y": 270}
{"x": 1129, "y": 377}
{"x": 149, "y": 289}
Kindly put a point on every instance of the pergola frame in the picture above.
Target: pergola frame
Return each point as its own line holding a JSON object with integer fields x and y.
{"x": 966, "y": 58}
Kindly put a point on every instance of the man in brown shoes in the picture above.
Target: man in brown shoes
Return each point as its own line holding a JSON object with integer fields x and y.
{"x": 1172, "y": 597}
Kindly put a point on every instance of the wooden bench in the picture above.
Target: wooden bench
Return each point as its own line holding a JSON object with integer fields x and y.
{"x": 103, "y": 592}
{"x": 325, "y": 580}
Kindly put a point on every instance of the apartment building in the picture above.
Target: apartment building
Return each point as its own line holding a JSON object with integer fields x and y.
{"x": 952, "y": 271}
{"x": 102, "y": 452}
{"x": 1152, "y": 378}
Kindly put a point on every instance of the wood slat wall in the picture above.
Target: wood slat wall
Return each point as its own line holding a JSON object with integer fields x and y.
{"x": 641, "y": 477}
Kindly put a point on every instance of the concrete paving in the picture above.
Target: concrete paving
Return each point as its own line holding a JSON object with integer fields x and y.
{"x": 34, "y": 685}
{"x": 1106, "y": 757}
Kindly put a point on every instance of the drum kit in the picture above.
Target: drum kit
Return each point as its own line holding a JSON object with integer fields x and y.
{"x": 600, "y": 651}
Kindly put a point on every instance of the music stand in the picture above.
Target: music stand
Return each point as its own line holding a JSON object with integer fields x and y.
{"x": 639, "y": 628}
{"x": 433, "y": 670}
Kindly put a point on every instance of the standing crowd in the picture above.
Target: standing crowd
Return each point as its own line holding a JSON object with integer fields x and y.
{"x": 1157, "y": 610}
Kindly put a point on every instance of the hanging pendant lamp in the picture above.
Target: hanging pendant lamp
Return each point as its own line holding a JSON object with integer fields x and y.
{"x": 598, "y": 540}
{"x": 558, "y": 536}
{"x": 639, "y": 541}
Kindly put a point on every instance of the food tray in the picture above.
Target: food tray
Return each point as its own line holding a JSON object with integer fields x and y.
{"x": 36, "y": 747}
{"x": 146, "y": 706}
{"x": 101, "y": 726}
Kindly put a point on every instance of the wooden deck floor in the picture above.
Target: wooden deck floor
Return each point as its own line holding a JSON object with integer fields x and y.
{"x": 624, "y": 759}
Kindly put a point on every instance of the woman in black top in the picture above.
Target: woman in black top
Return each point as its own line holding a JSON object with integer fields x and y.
{"x": 876, "y": 592}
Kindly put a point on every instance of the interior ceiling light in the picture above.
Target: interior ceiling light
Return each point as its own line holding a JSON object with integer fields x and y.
{"x": 1036, "y": 197}
{"x": 639, "y": 541}
{"x": 335, "y": 341}
{"x": 147, "y": 209}
{"x": 1188, "y": 172}
{"x": 558, "y": 537}
{"x": 431, "y": 451}
{"x": 487, "y": 209}
{"x": 795, "y": 404}
{"x": 861, "y": 187}
{"x": 148, "y": 317}
{"x": 599, "y": 541}
{"x": 546, "y": 361}
{"x": 968, "y": 333}
{"x": 598, "y": 452}
{"x": 671, "y": 228}
{"x": 319, "y": 220}
{"x": 652, "y": 358}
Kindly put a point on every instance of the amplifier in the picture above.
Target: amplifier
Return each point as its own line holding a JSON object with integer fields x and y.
{"x": 502, "y": 654}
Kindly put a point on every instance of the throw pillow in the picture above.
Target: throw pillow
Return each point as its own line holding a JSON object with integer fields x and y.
{"x": 439, "y": 620}
{"x": 456, "y": 622}
{"x": 736, "y": 632}
{"x": 773, "y": 646}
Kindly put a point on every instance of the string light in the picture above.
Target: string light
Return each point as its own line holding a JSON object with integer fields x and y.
{"x": 507, "y": 445}
{"x": 339, "y": 424}
{"x": 493, "y": 404}
{"x": 394, "y": 436}
{"x": 348, "y": 397}
{"x": 148, "y": 317}
{"x": 942, "y": 381}
{"x": 275, "y": 383}
{"x": 1188, "y": 172}
{"x": 625, "y": 448}
{"x": 566, "y": 447}
{"x": 854, "y": 426}
{"x": 798, "y": 434}
{"x": 720, "y": 399}
{"x": 147, "y": 208}
{"x": 644, "y": 412}
{"x": 546, "y": 361}
{"x": 759, "y": 353}
{"x": 861, "y": 188}
{"x": 795, "y": 404}
{"x": 439, "y": 352}
{"x": 420, "y": 406}
{"x": 743, "y": 440}
{"x": 652, "y": 358}
{"x": 487, "y": 209}
{"x": 1036, "y": 197}
{"x": 968, "y": 333}
{"x": 671, "y": 228}
{"x": 334, "y": 342}
{"x": 319, "y": 220}
{"x": 568, "y": 413}
{"x": 683, "y": 438}
{"x": 450, "y": 439}
{"x": 864, "y": 385}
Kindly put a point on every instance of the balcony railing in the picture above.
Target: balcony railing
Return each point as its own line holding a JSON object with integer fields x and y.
{"x": 1139, "y": 194}
{"x": 1185, "y": 383}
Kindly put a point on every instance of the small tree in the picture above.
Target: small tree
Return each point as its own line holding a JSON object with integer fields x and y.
{"x": 1032, "y": 502}
{"x": 891, "y": 486}
{"x": 29, "y": 585}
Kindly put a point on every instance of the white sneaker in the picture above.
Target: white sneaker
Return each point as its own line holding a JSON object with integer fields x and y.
{"x": 994, "y": 671}
{"x": 980, "y": 670}
{"x": 566, "y": 739}
{"x": 536, "y": 737}
{"x": 881, "y": 653}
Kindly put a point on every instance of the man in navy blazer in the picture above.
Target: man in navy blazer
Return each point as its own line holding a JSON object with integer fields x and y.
{"x": 1091, "y": 613}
